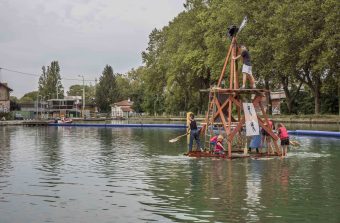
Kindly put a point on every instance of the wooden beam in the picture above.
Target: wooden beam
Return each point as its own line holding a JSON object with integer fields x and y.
{"x": 220, "y": 111}
{"x": 237, "y": 129}
{"x": 224, "y": 67}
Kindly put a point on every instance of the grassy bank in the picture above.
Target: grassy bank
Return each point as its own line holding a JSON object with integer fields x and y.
{"x": 317, "y": 119}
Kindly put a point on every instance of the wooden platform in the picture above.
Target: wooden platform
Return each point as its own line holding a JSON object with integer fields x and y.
{"x": 25, "y": 122}
{"x": 236, "y": 91}
{"x": 234, "y": 155}
{"x": 35, "y": 122}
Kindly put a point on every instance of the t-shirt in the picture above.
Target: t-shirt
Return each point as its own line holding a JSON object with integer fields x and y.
{"x": 283, "y": 134}
{"x": 246, "y": 57}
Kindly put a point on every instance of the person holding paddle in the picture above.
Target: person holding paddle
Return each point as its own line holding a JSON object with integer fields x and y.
{"x": 194, "y": 133}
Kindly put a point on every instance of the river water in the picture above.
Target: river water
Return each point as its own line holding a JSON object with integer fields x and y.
{"x": 66, "y": 174}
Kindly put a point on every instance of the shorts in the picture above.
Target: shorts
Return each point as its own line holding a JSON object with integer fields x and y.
{"x": 285, "y": 142}
{"x": 247, "y": 69}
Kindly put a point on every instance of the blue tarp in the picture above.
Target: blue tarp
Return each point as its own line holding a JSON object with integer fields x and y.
{"x": 182, "y": 126}
{"x": 315, "y": 133}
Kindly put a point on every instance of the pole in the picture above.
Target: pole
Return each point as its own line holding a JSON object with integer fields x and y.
{"x": 83, "y": 96}
{"x": 57, "y": 89}
{"x": 37, "y": 107}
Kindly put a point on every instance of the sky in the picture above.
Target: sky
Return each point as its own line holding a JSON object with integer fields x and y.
{"x": 82, "y": 35}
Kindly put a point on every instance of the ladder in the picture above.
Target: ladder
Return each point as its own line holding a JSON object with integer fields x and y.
{"x": 209, "y": 125}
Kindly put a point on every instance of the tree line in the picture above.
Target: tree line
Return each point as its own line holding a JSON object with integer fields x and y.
{"x": 294, "y": 46}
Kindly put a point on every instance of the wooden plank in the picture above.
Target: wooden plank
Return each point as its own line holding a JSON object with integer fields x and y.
{"x": 237, "y": 129}
{"x": 219, "y": 110}
{"x": 224, "y": 67}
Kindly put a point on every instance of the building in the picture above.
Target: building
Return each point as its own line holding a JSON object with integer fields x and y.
{"x": 276, "y": 98}
{"x": 63, "y": 107}
{"x": 5, "y": 103}
{"x": 122, "y": 109}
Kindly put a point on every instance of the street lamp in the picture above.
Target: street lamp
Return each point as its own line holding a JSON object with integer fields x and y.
{"x": 83, "y": 95}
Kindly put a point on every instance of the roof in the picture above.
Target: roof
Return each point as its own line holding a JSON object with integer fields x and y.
{"x": 126, "y": 109}
{"x": 124, "y": 103}
{"x": 5, "y": 86}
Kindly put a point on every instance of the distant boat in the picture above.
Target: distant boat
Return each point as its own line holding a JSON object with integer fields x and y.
{"x": 65, "y": 120}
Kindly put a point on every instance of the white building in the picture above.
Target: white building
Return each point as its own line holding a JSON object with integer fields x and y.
{"x": 122, "y": 109}
{"x": 5, "y": 103}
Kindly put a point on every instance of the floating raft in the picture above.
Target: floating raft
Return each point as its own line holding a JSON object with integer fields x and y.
{"x": 234, "y": 155}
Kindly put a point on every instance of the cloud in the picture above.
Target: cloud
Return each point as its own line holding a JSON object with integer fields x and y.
{"x": 83, "y": 35}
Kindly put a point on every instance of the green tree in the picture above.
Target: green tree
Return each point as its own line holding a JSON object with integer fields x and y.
{"x": 106, "y": 91}
{"x": 77, "y": 90}
{"x": 29, "y": 97}
{"x": 123, "y": 85}
{"x": 293, "y": 44}
{"x": 136, "y": 88}
{"x": 50, "y": 82}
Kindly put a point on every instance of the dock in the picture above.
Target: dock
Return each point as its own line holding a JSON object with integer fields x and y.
{"x": 25, "y": 122}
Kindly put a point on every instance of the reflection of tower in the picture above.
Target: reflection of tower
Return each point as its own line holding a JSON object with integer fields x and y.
{"x": 253, "y": 191}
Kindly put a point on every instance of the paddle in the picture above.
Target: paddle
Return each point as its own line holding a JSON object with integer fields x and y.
{"x": 177, "y": 138}
{"x": 294, "y": 143}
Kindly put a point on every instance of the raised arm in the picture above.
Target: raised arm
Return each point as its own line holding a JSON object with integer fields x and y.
{"x": 235, "y": 58}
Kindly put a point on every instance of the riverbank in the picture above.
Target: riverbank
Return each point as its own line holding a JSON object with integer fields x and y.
{"x": 309, "y": 119}
{"x": 304, "y": 119}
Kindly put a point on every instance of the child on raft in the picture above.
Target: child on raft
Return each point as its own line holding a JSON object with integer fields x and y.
{"x": 282, "y": 133}
{"x": 219, "y": 149}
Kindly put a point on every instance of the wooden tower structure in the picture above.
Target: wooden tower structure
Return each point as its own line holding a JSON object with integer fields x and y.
{"x": 225, "y": 107}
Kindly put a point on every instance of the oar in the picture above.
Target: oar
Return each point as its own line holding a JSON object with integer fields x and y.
{"x": 294, "y": 143}
{"x": 177, "y": 138}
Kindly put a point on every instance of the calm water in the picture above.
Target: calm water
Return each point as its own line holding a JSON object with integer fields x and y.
{"x": 56, "y": 174}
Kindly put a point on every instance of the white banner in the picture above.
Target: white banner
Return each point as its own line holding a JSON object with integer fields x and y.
{"x": 252, "y": 125}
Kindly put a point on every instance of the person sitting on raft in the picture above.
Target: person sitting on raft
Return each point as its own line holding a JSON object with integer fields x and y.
{"x": 282, "y": 133}
{"x": 213, "y": 141}
{"x": 219, "y": 149}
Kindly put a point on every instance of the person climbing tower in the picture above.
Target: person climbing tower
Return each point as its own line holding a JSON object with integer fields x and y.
{"x": 246, "y": 68}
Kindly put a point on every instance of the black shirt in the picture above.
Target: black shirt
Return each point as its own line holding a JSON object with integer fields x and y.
{"x": 246, "y": 57}
{"x": 193, "y": 125}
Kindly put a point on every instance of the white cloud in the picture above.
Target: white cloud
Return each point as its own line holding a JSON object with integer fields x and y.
{"x": 83, "y": 35}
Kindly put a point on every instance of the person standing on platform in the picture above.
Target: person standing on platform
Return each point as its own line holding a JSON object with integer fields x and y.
{"x": 246, "y": 68}
{"x": 267, "y": 138}
{"x": 255, "y": 143}
{"x": 194, "y": 133}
